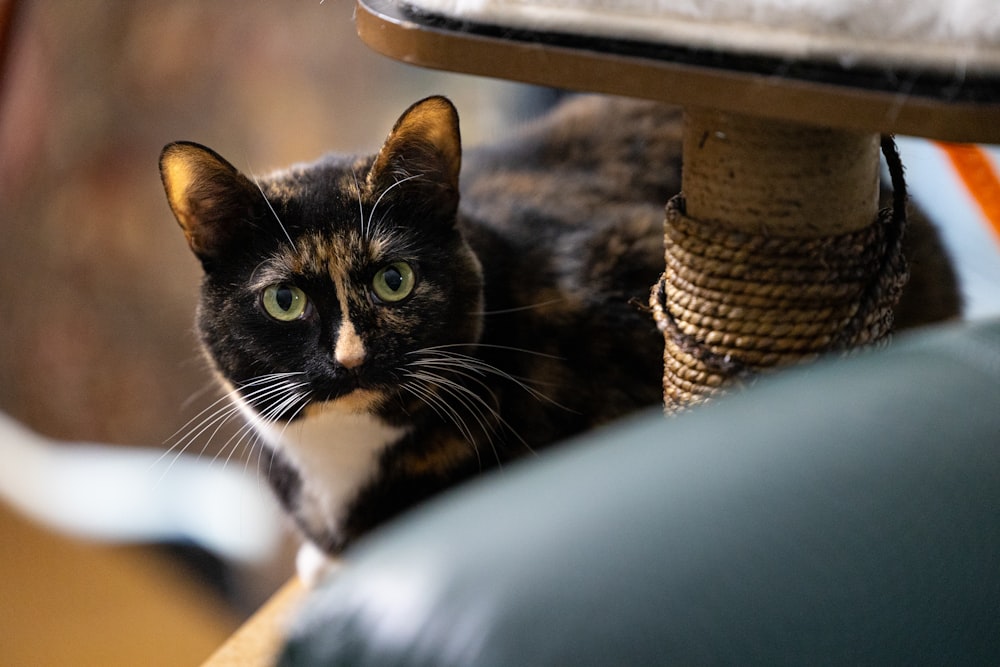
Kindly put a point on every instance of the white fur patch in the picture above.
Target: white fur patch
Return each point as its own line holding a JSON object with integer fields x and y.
{"x": 335, "y": 449}
{"x": 313, "y": 565}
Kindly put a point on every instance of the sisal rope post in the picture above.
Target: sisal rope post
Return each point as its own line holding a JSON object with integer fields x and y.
{"x": 775, "y": 251}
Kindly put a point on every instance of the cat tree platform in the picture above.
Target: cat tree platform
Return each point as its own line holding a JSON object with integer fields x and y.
{"x": 775, "y": 249}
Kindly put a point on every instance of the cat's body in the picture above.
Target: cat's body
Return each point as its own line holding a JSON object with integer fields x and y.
{"x": 389, "y": 341}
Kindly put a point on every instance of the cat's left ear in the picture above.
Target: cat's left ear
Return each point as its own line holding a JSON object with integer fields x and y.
{"x": 422, "y": 155}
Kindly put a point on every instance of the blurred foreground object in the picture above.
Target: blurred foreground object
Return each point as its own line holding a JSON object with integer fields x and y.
{"x": 121, "y": 494}
{"x": 843, "y": 513}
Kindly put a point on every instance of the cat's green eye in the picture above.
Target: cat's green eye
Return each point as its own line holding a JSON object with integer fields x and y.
{"x": 284, "y": 302}
{"x": 394, "y": 282}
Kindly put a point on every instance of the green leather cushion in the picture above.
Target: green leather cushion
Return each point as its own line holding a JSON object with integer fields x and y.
{"x": 848, "y": 512}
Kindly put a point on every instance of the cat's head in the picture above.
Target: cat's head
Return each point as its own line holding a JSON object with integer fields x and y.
{"x": 322, "y": 282}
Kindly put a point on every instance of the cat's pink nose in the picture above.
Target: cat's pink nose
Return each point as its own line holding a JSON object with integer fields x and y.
{"x": 350, "y": 360}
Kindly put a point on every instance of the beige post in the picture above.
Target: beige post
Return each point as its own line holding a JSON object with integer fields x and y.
{"x": 779, "y": 178}
{"x": 774, "y": 251}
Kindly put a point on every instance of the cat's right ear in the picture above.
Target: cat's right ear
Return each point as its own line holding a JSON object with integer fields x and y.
{"x": 209, "y": 197}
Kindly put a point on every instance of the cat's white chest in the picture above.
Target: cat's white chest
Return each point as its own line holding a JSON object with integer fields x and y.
{"x": 335, "y": 451}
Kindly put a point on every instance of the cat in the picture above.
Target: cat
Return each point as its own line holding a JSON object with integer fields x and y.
{"x": 390, "y": 329}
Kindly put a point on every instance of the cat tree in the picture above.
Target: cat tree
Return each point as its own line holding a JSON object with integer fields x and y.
{"x": 775, "y": 251}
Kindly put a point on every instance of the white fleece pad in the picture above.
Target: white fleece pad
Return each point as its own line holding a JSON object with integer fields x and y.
{"x": 961, "y": 36}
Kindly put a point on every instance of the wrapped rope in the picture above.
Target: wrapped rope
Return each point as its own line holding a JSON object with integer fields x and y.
{"x": 731, "y": 304}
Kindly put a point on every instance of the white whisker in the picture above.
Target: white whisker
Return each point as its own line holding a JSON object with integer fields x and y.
{"x": 298, "y": 401}
{"x": 371, "y": 214}
{"x": 480, "y": 408}
{"x": 518, "y": 309}
{"x": 217, "y": 418}
{"x": 445, "y": 359}
{"x": 361, "y": 205}
{"x": 273, "y": 212}
{"x": 380, "y": 225}
{"x": 251, "y": 428}
{"x": 211, "y": 419}
{"x": 209, "y": 386}
{"x": 443, "y": 410}
{"x": 469, "y": 400}
{"x": 273, "y": 413}
{"x": 493, "y": 347}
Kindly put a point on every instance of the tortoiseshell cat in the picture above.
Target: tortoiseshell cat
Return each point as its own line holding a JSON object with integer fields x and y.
{"x": 388, "y": 338}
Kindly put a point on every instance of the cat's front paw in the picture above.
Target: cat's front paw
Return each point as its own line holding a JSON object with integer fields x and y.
{"x": 314, "y": 565}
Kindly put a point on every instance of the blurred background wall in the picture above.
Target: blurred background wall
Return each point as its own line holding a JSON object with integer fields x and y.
{"x": 97, "y": 286}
